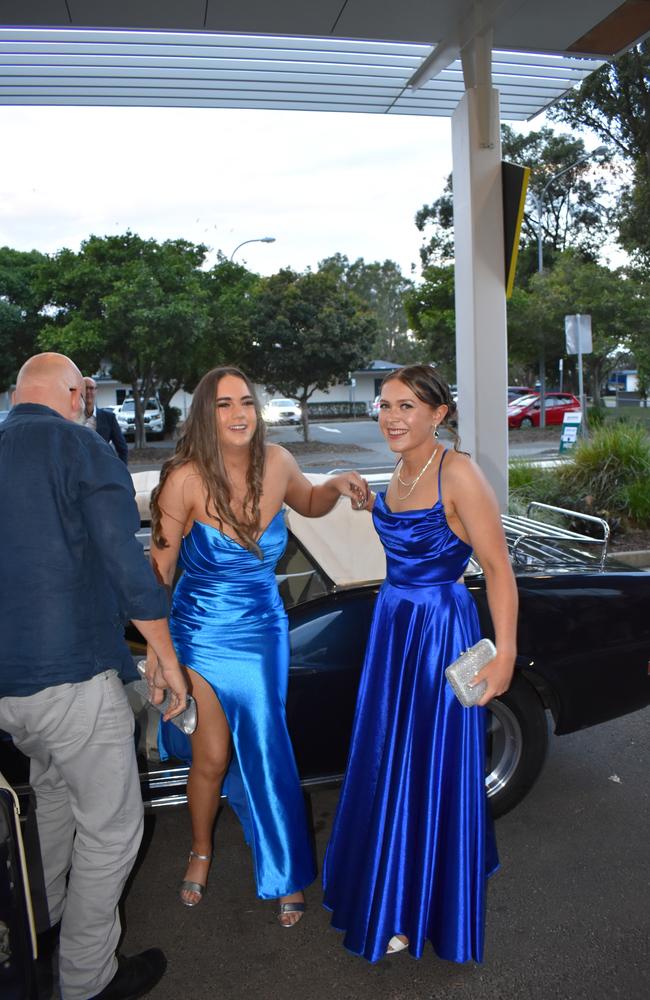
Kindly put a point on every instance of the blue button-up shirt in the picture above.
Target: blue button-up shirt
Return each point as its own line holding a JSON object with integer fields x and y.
{"x": 71, "y": 569}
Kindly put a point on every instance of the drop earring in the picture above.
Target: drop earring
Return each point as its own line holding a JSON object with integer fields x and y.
{"x": 435, "y": 431}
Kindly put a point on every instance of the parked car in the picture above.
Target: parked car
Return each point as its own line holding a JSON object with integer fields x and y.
{"x": 584, "y": 644}
{"x": 282, "y": 411}
{"x": 515, "y": 391}
{"x": 373, "y": 408}
{"x": 524, "y": 411}
{"x": 154, "y": 417}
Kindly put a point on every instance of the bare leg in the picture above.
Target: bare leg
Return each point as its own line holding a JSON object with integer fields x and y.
{"x": 211, "y": 749}
{"x": 210, "y": 759}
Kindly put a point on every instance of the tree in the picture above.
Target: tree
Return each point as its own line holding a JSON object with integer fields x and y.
{"x": 614, "y": 102}
{"x": 21, "y": 303}
{"x": 573, "y": 214}
{"x": 382, "y": 288}
{"x": 431, "y": 312}
{"x": 578, "y": 286}
{"x": 230, "y": 289}
{"x": 639, "y": 338}
{"x": 310, "y": 332}
{"x": 139, "y": 303}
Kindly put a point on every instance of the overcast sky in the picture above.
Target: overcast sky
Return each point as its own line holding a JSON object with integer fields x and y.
{"x": 320, "y": 183}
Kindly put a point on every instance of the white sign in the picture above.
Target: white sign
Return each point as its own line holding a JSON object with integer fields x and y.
{"x": 577, "y": 332}
{"x": 570, "y": 429}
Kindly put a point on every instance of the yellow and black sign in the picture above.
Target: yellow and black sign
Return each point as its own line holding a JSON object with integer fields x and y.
{"x": 514, "y": 181}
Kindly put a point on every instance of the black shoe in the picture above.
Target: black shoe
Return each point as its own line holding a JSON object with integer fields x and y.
{"x": 135, "y": 976}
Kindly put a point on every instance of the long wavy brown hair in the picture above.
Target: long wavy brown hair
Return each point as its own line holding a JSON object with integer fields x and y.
{"x": 430, "y": 388}
{"x": 200, "y": 444}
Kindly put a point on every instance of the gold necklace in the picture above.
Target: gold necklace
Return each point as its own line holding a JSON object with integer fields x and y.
{"x": 415, "y": 481}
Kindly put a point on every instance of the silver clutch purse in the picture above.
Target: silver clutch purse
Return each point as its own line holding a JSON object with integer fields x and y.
{"x": 186, "y": 721}
{"x": 464, "y": 669}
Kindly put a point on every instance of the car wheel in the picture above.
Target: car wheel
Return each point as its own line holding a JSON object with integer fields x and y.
{"x": 526, "y": 422}
{"x": 517, "y": 740}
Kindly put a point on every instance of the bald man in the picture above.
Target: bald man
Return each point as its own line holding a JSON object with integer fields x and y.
{"x": 104, "y": 421}
{"x": 71, "y": 573}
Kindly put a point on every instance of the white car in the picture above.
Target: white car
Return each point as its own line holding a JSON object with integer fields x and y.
{"x": 282, "y": 411}
{"x": 154, "y": 417}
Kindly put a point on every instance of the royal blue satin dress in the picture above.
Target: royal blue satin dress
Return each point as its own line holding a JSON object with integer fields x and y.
{"x": 229, "y": 624}
{"x": 412, "y": 842}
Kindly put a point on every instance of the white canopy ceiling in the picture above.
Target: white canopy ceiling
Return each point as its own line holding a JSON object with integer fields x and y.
{"x": 322, "y": 55}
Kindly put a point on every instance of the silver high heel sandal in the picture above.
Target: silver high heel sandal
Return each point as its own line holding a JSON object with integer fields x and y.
{"x": 196, "y": 887}
{"x": 291, "y": 908}
{"x": 396, "y": 944}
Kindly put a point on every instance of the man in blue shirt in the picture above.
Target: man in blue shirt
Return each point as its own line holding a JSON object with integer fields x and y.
{"x": 71, "y": 574}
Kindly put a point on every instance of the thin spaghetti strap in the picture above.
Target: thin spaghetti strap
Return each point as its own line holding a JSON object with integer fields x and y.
{"x": 442, "y": 458}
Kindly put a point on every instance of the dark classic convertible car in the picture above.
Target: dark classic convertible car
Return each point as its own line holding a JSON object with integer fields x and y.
{"x": 584, "y": 643}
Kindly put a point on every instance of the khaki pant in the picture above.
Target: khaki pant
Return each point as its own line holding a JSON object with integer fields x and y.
{"x": 89, "y": 812}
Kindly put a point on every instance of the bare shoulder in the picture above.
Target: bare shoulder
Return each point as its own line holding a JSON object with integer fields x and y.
{"x": 278, "y": 457}
{"x": 182, "y": 481}
{"x": 460, "y": 472}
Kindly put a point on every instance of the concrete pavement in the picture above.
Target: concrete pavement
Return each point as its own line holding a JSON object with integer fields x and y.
{"x": 568, "y": 915}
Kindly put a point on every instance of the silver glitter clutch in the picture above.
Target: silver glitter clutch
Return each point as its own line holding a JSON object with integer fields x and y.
{"x": 465, "y": 668}
{"x": 186, "y": 721}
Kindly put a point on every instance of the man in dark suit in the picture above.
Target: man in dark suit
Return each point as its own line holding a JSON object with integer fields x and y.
{"x": 104, "y": 422}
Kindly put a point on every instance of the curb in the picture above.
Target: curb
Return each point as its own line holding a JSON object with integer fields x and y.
{"x": 636, "y": 558}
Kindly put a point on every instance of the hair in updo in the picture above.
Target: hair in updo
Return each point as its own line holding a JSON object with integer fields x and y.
{"x": 430, "y": 388}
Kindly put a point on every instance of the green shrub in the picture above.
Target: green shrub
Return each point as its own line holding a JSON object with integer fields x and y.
{"x": 608, "y": 475}
{"x": 172, "y": 416}
{"x": 637, "y": 499}
{"x": 596, "y": 417}
{"x": 604, "y": 468}
{"x": 530, "y": 482}
{"x": 325, "y": 410}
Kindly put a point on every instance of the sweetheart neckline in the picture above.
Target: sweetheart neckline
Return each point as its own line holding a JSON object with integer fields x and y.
{"x": 223, "y": 534}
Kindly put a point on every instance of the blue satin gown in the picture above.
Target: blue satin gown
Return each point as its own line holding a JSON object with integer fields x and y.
{"x": 412, "y": 842}
{"x": 229, "y": 624}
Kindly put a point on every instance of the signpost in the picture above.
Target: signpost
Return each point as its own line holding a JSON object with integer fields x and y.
{"x": 577, "y": 332}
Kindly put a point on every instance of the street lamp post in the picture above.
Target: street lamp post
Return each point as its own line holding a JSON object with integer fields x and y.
{"x": 258, "y": 239}
{"x": 538, "y": 200}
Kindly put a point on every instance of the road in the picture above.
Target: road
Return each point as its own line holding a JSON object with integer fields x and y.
{"x": 365, "y": 434}
{"x": 360, "y": 444}
{"x": 568, "y": 915}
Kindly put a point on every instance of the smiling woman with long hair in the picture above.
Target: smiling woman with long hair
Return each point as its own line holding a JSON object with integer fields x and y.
{"x": 218, "y": 509}
{"x": 412, "y": 843}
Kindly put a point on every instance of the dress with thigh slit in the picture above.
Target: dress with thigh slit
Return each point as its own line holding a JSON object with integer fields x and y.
{"x": 412, "y": 842}
{"x": 228, "y": 624}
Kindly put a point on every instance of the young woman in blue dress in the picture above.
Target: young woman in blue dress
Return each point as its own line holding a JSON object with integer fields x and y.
{"x": 412, "y": 843}
{"x": 218, "y": 509}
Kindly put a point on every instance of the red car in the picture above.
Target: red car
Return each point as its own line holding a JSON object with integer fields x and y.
{"x": 524, "y": 412}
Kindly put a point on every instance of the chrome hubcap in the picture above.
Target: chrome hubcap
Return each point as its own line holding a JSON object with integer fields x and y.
{"x": 503, "y": 747}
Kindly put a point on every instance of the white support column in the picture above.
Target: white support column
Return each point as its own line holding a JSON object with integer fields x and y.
{"x": 481, "y": 333}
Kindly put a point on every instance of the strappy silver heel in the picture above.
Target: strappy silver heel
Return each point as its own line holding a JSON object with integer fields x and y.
{"x": 291, "y": 908}
{"x": 196, "y": 887}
